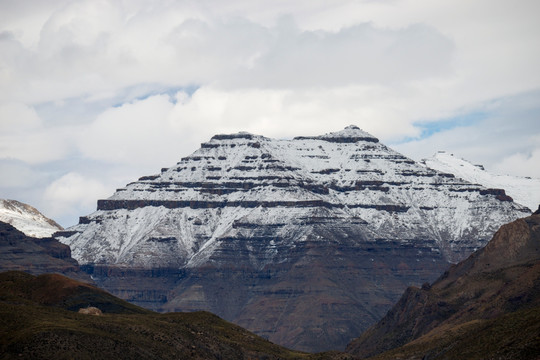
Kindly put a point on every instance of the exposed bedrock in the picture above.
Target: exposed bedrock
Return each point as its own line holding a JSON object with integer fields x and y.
{"x": 36, "y": 255}
{"x": 305, "y": 241}
{"x": 316, "y": 298}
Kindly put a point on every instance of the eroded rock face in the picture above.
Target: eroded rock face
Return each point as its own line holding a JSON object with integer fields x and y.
{"x": 501, "y": 278}
{"x": 36, "y": 256}
{"x": 305, "y": 241}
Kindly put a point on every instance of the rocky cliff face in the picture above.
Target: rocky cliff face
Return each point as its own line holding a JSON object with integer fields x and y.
{"x": 305, "y": 241}
{"x": 492, "y": 288}
{"x": 35, "y": 255}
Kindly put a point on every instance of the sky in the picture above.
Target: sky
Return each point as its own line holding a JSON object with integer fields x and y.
{"x": 95, "y": 94}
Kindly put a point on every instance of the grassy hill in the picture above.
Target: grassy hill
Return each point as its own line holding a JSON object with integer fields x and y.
{"x": 39, "y": 320}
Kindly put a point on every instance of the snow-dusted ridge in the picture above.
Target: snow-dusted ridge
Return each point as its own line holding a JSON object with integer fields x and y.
{"x": 237, "y": 184}
{"x": 27, "y": 219}
{"x": 351, "y": 133}
{"x": 523, "y": 190}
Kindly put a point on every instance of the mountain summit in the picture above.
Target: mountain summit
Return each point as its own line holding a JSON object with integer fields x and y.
{"x": 27, "y": 219}
{"x": 351, "y": 133}
{"x": 305, "y": 241}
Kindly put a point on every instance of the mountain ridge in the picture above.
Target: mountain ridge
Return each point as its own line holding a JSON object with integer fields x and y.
{"x": 494, "y": 286}
{"x": 27, "y": 219}
{"x": 326, "y": 231}
{"x": 524, "y": 190}
{"x": 283, "y": 173}
{"x": 36, "y": 255}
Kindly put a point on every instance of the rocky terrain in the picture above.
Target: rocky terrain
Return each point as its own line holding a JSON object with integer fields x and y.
{"x": 36, "y": 255}
{"x": 306, "y": 242}
{"x": 524, "y": 190}
{"x": 486, "y": 307}
{"x": 27, "y": 219}
{"x": 40, "y": 320}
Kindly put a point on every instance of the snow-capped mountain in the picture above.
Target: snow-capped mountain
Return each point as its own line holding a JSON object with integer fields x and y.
{"x": 27, "y": 219}
{"x": 244, "y": 178}
{"x": 306, "y": 241}
{"x": 523, "y": 190}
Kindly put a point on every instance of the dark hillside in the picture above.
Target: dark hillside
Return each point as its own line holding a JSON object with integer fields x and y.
{"x": 36, "y": 325}
{"x": 36, "y": 255}
{"x": 488, "y": 305}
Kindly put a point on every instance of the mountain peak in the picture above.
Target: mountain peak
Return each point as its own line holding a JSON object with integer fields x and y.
{"x": 349, "y": 134}
{"x": 239, "y": 135}
{"x": 27, "y": 219}
{"x": 291, "y": 216}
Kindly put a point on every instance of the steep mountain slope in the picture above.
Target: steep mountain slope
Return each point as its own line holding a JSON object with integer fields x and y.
{"x": 36, "y": 324}
{"x": 492, "y": 297}
{"x": 523, "y": 190}
{"x": 305, "y": 241}
{"x": 27, "y": 219}
{"x": 36, "y": 255}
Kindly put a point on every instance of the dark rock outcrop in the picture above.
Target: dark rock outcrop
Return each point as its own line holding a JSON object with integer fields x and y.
{"x": 36, "y": 255}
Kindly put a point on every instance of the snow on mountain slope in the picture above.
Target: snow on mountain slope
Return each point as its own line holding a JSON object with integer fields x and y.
{"x": 523, "y": 190}
{"x": 306, "y": 241}
{"x": 27, "y": 219}
{"x": 180, "y": 216}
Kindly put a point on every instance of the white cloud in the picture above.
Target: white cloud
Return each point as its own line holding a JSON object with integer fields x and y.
{"x": 72, "y": 193}
{"x": 17, "y": 117}
{"x": 158, "y": 130}
{"x": 95, "y": 84}
{"x": 287, "y": 113}
{"x": 18, "y": 175}
{"x": 36, "y": 144}
{"x": 98, "y": 48}
{"x": 93, "y": 47}
{"x": 520, "y": 164}
{"x": 505, "y": 137}
{"x": 362, "y": 54}
{"x": 136, "y": 133}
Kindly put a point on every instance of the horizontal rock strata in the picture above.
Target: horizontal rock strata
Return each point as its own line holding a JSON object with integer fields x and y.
{"x": 305, "y": 241}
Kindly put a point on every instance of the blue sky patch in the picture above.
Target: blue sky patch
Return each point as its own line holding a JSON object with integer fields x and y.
{"x": 431, "y": 127}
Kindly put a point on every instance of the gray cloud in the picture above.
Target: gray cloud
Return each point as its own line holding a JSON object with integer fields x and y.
{"x": 362, "y": 54}
{"x": 82, "y": 53}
